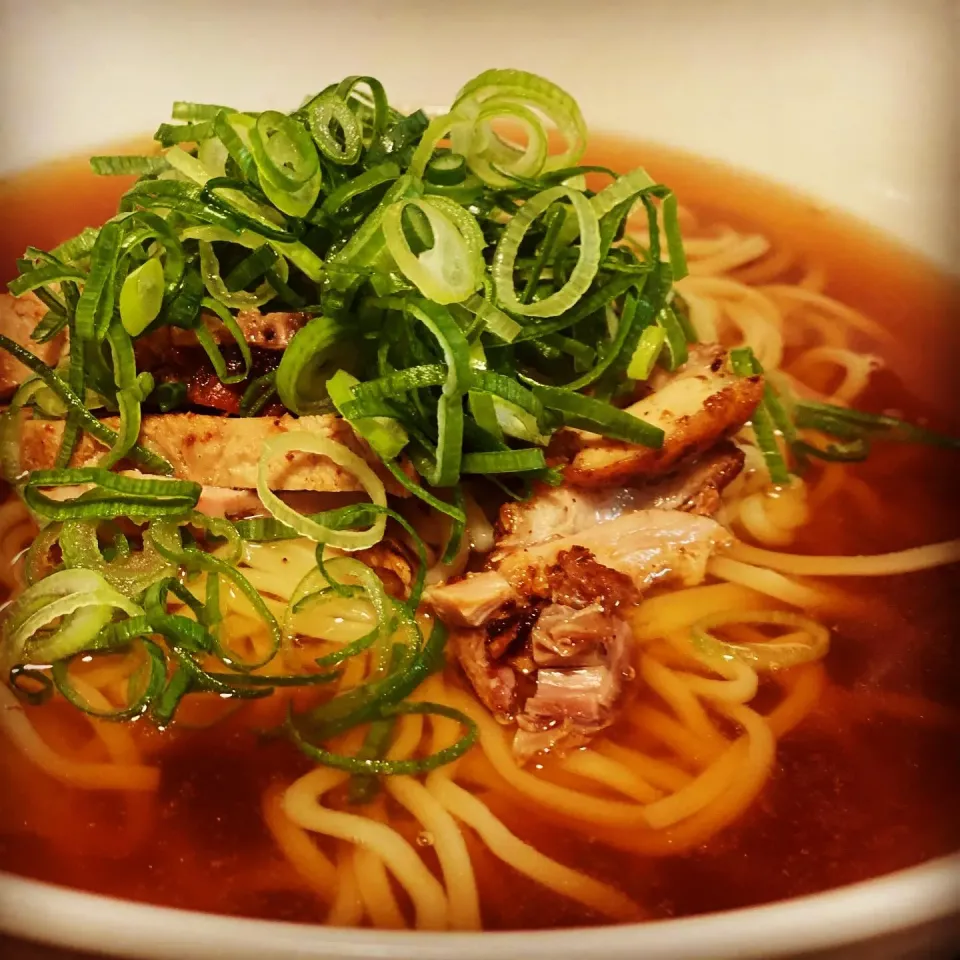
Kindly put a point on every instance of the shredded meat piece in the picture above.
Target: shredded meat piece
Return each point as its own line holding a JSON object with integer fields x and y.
{"x": 553, "y": 615}
{"x": 574, "y": 703}
{"x": 565, "y": 636}
{"x": 495, "y": 683}
{"x": 554, "y": 512}
{"x": 473, "y": 600}
{"x": 510, "y": 629}
{"x": 696, "y": 406}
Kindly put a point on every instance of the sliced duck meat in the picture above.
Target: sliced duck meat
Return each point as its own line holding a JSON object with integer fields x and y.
{"x": 19, "y": 317}
{"x": 218, "y": 451}
{"x": 224, "y": 502}
{"x": 646, "y": 546}
{"x": 554, "y": 512}
{"x": 696, "y": 406}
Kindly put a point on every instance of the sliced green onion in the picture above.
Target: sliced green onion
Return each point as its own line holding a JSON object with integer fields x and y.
{"x": 385, "y": 435}
{"x": 170, "y": 396}
{"x": 171, "y": 133}
{"x": 123, "y": 166}
{"x": 446, "y": 468}
{"x": 39, "y": 687}
{"x": 218, "y": 288}
{"x": 251, "y": 268}
{"x": 367, "y": 243}
{"x": 302, "y": 441}
{"x": 82, "y": 598}
{"x": 853, "y": 451}
{"x": 627, "y": 334}
{"x": 43, "y": 275}
{"x": 258, "y": 394}
{"x": 412, "y": 767}
{"x": 287, "y": 162}
{"x": 188, "y": 110}
{"x": 154, "y": 680}
{"x": 503, "y": 461}
{"x": 227, "y": 126}
{"x": 141, "y": 296}
{"x": 671, "y": 227}
{"x": 770, "y": 655}
{"x": 113, "y": 495}
{"x": 645, "y": 355}
{"x": 377, "y": 100}
{"x": 89, "y": 422}
{"x": 499, "y": 93}
{"x": 504, "y": 260}
{"x": 376, "y": 743}
{"x": 369, "y": 701}
{"x": 745, "y": 364}
{"x": 321, "y": 112}
{"x": 193, "y": 168}
{"x": 95, "y": 307}
{"x": 554, "y": 220}
{"x": 206, "y": 340}
{"x": 847, "y": 423}
{"x": 130, "y": 574}
{"x": 446, "y": 170}
{"x": 315, "y": 353}
{"x": 393, "y": 384}
{"x": 242, "y": 205}
{"x": 452, "y": 268}
{"x": 165, "y": 533}
{"x": 368, "y": 180}
{"x": 283, "y": 151}
{"x": 398, "y": 140}
{"x": 76, "y": 248}
{"x": 500, "y": 324}
{"x": 437, "y": 130}
{"x": 585, "y": 413}
{"x": 675, "y": 339}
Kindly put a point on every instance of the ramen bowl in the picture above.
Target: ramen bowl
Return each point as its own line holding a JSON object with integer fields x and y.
{"x": 849, "y": 103}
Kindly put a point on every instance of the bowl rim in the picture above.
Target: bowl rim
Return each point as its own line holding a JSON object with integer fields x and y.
{"x": 896, "y": 902}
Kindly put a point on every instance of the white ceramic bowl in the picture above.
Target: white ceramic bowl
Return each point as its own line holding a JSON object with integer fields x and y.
{"x": 851, "y": 101}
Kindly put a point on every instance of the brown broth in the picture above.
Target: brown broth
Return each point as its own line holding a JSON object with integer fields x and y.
{"x": 855, "y": 793}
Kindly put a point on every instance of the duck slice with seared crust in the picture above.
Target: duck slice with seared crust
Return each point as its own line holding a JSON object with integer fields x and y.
{"x": 696, "y": 406}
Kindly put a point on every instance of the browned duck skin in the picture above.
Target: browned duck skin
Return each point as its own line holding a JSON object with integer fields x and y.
{"x": 696, "y": 406}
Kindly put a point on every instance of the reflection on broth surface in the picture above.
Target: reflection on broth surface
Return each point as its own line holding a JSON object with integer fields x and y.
{"x": 867, "y": 751}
